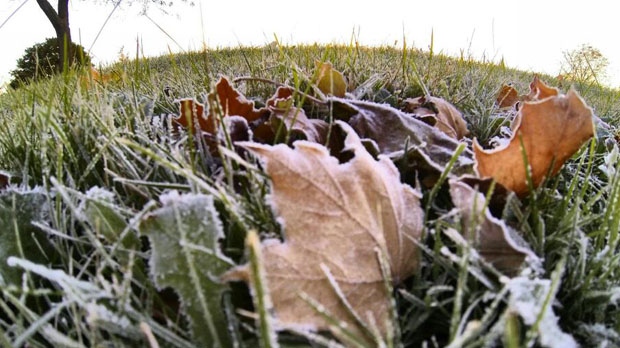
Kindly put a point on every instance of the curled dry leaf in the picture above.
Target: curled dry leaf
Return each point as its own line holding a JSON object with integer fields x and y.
{"x": 449, "y": 119}
{"x": 330, "y": 81}
{"x": 418, "y": 148}
{"x": 339, "y": 218}
{"x": 497, "y": 243}
{"x": 507, "y": 97}
{"x": 225, "y": 101}
{"x": 551, "y": 131}
{"x": 539, "y": 91}
{"x": 285, "y": 117}
{"x": 192, "y": 116}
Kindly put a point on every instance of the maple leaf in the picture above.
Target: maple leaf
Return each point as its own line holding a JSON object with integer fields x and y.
{"x": 449, "y": 119}
{"x": 551, "y": 130}
{"x": 330, "y": 81}
{"x": 339, "y": 218}
{"x": 497, "y": 243}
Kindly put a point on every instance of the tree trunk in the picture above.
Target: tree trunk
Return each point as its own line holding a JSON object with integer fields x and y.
{"x": 60, "y": 22}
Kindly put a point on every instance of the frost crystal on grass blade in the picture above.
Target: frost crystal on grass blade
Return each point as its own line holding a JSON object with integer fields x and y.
{"x": 74, "y": 289}
{"x": 527, "y": 298}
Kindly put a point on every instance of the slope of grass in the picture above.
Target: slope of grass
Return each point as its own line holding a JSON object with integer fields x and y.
{"x": 84, "y": 144}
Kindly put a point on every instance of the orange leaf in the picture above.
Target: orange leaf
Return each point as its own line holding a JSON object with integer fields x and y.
{"x": 228, "y": 101}
{"x": 507, "y": 97}
{"x": 191, "y": 111}
{"x": 283, "y": 98}
{"x": 449, "y": 119}
{"x": 330, "y": 81}
{"x": 551, "y": 130}
{"x": 339, "y": 219}
{"x": 539, "y": 91}
{"x": 225, "y": 101}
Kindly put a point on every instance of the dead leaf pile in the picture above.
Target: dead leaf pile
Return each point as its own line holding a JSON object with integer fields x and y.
{"x": 344, "y": 193}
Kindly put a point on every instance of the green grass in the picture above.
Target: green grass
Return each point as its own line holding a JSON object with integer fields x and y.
{"x": 63, "y": 138}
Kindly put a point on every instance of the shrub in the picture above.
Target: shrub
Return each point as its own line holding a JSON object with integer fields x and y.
{"x": 42, "y": 60}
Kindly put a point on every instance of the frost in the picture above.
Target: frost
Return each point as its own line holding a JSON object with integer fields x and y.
{"x": 18, "y": 210}
{"x": 600, "y": 256}
{"x": 527, "y": 299}
{"x": 172, "y": 197}
{"x": 101, "y": 316}
{"x": 615, "y": 295}
{"x": 99, "y": 193}
{"x": 611, "y": 159}
{"x": 185, "y": 256}
{"x": 598, "y": 335}
{"x": 59, "y": 339}
{"x": 74, "y": 289}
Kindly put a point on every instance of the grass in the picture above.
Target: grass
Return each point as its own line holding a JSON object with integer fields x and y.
{"x": 67, "y": 135}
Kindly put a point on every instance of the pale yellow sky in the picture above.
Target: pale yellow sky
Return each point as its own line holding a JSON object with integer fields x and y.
{"x": 529, "y": 35}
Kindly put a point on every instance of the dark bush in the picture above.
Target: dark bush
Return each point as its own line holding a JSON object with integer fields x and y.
{"x": 42, "y": 60}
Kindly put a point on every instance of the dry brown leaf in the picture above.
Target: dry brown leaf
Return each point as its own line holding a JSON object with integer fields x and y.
{"x": 285, "y": 117}
{"x": 421, "y": 151}
{"x": 507, "y": 97}
{"x": 5, "y": 179}
{"x": 492, "y": 238}
{"x": 449, "y": 119}
{"x": 337, "y": 218}
{"x": 551, "y": 130}
{"x": 330, "y": 81}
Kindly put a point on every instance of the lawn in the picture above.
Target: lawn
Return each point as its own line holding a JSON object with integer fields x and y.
{"x": 126, "y": 224}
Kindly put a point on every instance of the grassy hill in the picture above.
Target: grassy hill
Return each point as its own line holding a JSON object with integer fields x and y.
{"x": 117, "y": 224}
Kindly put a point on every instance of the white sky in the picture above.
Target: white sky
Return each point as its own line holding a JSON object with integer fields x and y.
{"x": 528, "y": 34}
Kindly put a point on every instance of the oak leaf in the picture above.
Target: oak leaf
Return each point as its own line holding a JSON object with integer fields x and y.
{"x": 551, "y": 131}
{"x": 225, "y": 101}
{"x": 329, "y": 80}
{"x": 339, "y": 219}
{"x": 496, "y": 242}
{"x": 449, "y": 119}
{"x": 191, "y": 116}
